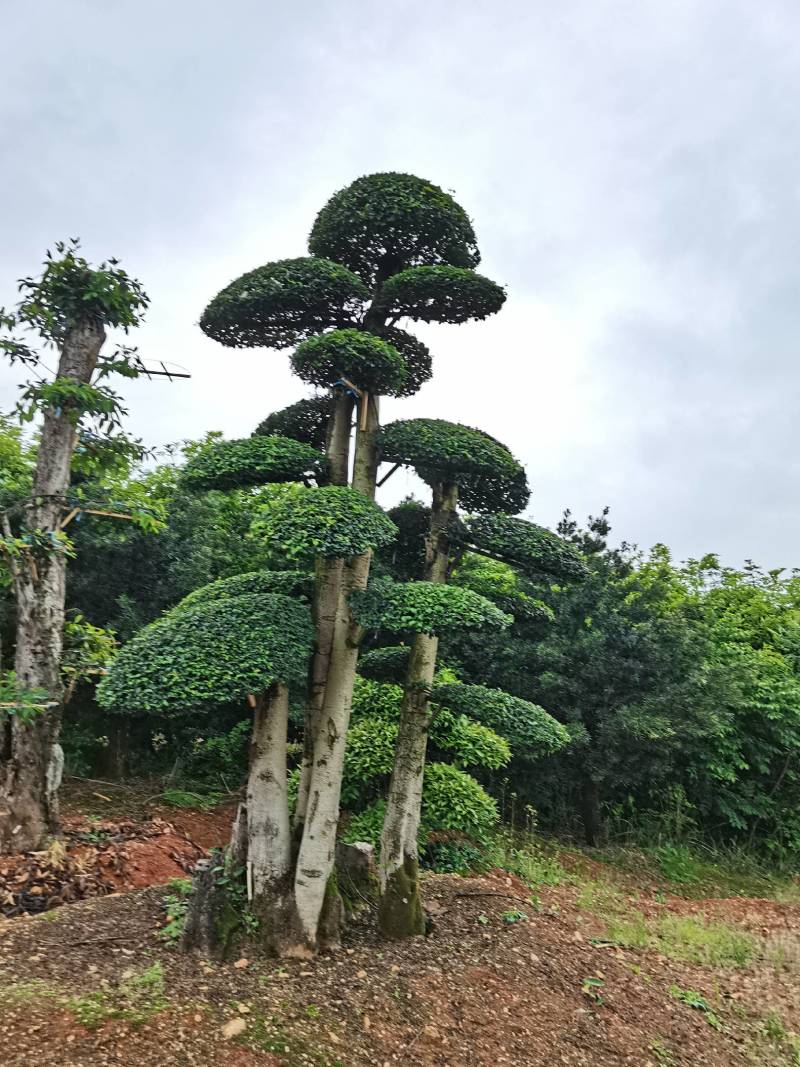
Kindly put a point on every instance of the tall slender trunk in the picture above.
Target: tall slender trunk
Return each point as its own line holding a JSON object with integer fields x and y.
{"x": 31, "y": 760}
{"x": 269, "y": 845}
{"x": 591, "y": 812}
{"x": 326, "y": 597}
{"x": 313, "y": 883}
{"x": 401, "y": 913}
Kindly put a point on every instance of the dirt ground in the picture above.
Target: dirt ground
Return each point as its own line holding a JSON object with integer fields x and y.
{"x": 501, "y": 980}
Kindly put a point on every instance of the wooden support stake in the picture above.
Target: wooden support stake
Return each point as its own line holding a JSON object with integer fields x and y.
{"x": 364, "y": 408}
{"x": 388, "y": 474}
{"x": 68, "y": 519}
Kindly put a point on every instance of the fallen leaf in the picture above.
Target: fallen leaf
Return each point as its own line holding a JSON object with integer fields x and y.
{"x": 233, "y": 1028}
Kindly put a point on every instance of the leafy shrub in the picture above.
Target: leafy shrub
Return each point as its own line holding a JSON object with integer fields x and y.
{"x": 371, "y": 743}
{"x": 252, "y": 461}
{"x": 452, "y": 857}
{"x": 306, "y": 421}
{"x": 453, "y": 800}
{"x": 377, "y": 699}
{"x": 471, "y": 743}
{"x": 424, "y": 607}
{"x": 526, "y": 545}
{"x": 442, "y": 294}
{"x": 529, "y": 729}
{"x": 368, "y": 361}
{"x": 286, "y": 583}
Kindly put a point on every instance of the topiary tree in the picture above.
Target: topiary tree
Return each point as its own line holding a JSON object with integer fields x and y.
{"x": 307, "y": 421}
{"x": 252, "y": 461}
{"x": 217, "y": 650}
{"x": 69, "y": 308}
{"x": 339, "y": 308}
{"x": 445, "y": 455}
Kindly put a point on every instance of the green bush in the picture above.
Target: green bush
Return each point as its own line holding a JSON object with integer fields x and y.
{"x": 423, "y": 607}
{"x": 529, "y": 729}
{"x": 526, "y": 545}
{"x": 453, "y": 800}
{"x": 471, "y": 743}
{"x": 287, "y": 583}
{"x": 442, "y": 294}
{"x": 364, "y": 359}
{"x": 252, "y": 461}
{"x": 306, "y": 421}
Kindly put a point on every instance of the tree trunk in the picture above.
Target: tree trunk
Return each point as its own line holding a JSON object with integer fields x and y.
{"x": 326, "y": 597}
{"x": 269, "y": 846}
{"x": 314, "y": 885}
{"x": 590, "y": 812}
{"x": 31, "y": 760}
{"x": 401, "y": 913}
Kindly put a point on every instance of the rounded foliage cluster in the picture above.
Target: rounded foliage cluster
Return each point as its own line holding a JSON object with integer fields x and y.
{"x": 382, "y": 223}
{"x": 417, "y": 356}
{"x": 211, "y": 654}
{"x": 442, "y": 294}
{"x": 281, "y": 303}
{"x": 471, "y": 743}
{"x": 364, "y": 359}
{"x": 385, "y": 664}
{"x": 526, "y": 545}
{"x": 453, "y": 800}
{"x": 331, "y": 521}
{"x": 377, "y": 699}
{"x": 442, "y": 451}
{"x": 370, "y": 754}
{"x": 405, "y": 558}
{"x": 502, "y": 492}
{"x": 306, "y": 421}
{"x": 287, "y": 583}
{"x": 424, "y": 607}
{"x": 529, "y": 729}
{"x": 252, "y": 461}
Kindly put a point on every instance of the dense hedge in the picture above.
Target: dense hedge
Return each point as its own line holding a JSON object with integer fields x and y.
{"x": 252, "y": 461}
{"x": 280, "y": 304}
{"x": 442, "y": 294}
{"x": 213, "y": 653}
{"x": 368, "y": 361}
{"x": 526, "y": 545}
{"x": 471, "y": 744}
{"x": 287, "y": 583}
{"x": 306, "y": 421}
{"x": 331, "y": 521}
{"x": 423, "y": 607}
{"x": 529, "y": 729}
{"x": 453, "y": 800}
{"x": 382, "y": 223}
{"x": 377, "y": 699}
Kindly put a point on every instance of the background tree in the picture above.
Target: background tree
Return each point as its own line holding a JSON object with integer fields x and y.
{"x": 68, "y": 308}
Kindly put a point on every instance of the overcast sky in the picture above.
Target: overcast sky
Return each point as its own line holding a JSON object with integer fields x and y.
{"x": 631, "y": 167}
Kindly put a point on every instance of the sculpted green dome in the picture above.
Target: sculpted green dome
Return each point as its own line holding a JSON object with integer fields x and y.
{"x": 442, "y": 294}
{"x": 280, "y": 304}
{"x": 364, "y": 359}
{"x": 529, "y": 729}
{"x": 419, "y": 365}
{"x": 213, "y": 653}
{"x": 286, "y": 583}
{"x": 382, "y": 223}
{"x": 385, "y": 664}
{"x": 331, "y": 521}
{"x": 306, "y": 421}
{"x": 425, "y": 608}
{"x": 252, "y": 461}
{"x": 526, "y": 545}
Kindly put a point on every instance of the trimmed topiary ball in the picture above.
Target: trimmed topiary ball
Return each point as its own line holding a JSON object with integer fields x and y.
{"x": 286, "y": 583}
{"x": 526, "y": 545}
{"x": 529, "y": 729}
{"x": 385, "y": 664}
{"x": 419, "y": 365}
{"x": 382, "y": 223}
{"x": 306, "y": 421}
{"x": 331, "y": 521}
{"x": 405, "y": 557}
{"x": 453, "y": 800}
{"x": 471, "y": 743}
{"x": 211, "y": 654}
{"x": 424, "y": 608}
{"x": 366, "y": 360}
{"x": 252, "y": 461}
{"x": 281, "y": 303}
{"x": 487, "y": 474}
{"x": 442, "y": 294}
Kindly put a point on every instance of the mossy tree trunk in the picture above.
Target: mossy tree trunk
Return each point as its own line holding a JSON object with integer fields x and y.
{"x": 31, "y": 760}
{"x": 315, "y": 890}
{"x": 401, "y": 913}
{"x": 269, "y": 845}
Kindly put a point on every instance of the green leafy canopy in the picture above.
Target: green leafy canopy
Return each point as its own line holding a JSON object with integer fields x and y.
{"x": 213, "y": 653}
{"x": 442, "y": 294}
{"x": 286, "y": 583}
{"x": 529, "y": 729}
{"x": 252, "y": 461}
{"x": 382, "y": 223}
{"x": 368, "y": 361}
{"x": 424, "y": 607}
{"x": 332, "y": 521}
{"x": 528, "y": 546}
{"x": 305, "y": 421}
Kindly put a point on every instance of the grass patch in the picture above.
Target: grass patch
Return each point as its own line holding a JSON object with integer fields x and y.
{"x": 136, "y": 999}
{"x": 266, "y": 1034}
{"x": 526, "y": 856}
{"x": 710, "y": 944}
{"x": 184, "y": 798}
{"x": 696, "y": 1000}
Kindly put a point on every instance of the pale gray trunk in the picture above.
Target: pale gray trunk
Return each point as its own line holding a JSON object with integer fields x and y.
{"x": 30, "y": 756}
{"x": 317, "y": 849}
{"x": 401, "y": 912}
{"x": 326, "y": 597}
{"x": 269, "y": 846}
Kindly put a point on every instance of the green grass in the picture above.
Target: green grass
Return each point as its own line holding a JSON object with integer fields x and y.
{"x": 710, "y": 944}
{"x": 136, "y": 999}
{"x": 527, "y": 857}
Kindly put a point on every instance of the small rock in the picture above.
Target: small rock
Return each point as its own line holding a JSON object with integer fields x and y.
{"x": 241, "y": 964}
{"x": 366, "y": 1023}
{"x": 243, "y": 1009}
{"x": 361, "y": 974}
{"x": 233, "y": 1028}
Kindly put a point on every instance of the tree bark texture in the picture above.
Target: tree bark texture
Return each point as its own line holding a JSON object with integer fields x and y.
{"x": 30, "y": 756}
{"x": 401, "y": 913}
